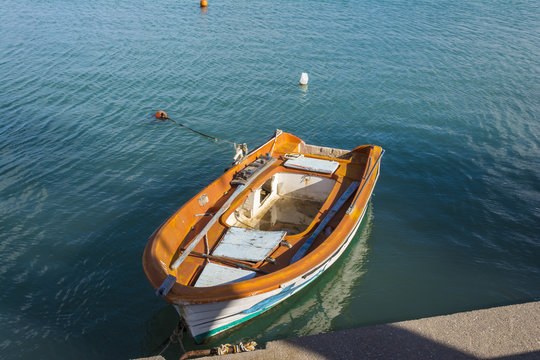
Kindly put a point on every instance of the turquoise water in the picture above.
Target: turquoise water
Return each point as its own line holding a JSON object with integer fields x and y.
{"x": 450, "y": 89}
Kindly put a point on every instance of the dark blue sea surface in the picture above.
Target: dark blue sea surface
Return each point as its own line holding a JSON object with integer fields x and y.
{"x": 450, "y": 89}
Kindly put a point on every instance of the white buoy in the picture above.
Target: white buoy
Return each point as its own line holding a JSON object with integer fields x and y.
{"x": 304, "y": 79}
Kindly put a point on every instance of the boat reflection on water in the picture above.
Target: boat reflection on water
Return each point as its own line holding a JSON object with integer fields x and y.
{"x": 313, "y": 311}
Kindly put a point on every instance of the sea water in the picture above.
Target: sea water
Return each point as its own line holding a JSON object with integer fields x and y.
{"x": 450, "y": 89}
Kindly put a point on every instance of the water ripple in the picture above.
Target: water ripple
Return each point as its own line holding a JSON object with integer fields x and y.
{"x": 450, "y": 90}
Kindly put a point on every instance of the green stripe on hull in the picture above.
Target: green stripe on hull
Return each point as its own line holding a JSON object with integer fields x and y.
{"x": 201, "y": 337}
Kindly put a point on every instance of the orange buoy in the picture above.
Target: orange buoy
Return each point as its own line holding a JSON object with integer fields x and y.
{"x": 204, "y": 3}
{"x": 161, "y": 115}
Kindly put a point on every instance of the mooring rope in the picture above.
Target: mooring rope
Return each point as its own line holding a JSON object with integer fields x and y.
{"x": 176, "y": 337}
{"x": 221, "y": 350}
{"x": 163, "y": 116}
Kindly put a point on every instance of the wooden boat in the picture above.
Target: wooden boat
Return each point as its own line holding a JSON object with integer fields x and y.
{"x": 261, "y": 232}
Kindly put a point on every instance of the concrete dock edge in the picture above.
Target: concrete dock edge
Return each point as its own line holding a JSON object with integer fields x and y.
{"x": 507, "y": 332}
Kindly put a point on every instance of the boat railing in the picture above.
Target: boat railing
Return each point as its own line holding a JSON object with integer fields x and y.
{"x": 353, "y": 204}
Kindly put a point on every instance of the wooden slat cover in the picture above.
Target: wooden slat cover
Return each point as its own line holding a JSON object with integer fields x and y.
{"x": 312, "y": 164}
{"x": 215, "y": 274}
{"x": 247, "y": 244}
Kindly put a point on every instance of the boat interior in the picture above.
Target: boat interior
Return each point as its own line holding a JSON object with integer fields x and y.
{"x": 280, "y": 210}
{"x": 285, "y": 202}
